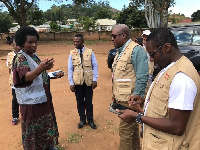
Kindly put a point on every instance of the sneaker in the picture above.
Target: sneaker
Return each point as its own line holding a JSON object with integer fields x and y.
{"x": 14, "y": 121}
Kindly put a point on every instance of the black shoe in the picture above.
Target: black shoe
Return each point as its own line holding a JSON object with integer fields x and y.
{"x": 81, "y": 124}
{"x": 92, "y": 125}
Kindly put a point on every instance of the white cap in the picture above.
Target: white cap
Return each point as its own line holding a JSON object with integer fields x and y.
{"x": 146, "y": 32}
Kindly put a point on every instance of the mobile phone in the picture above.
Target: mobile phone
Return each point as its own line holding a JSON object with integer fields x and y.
{"x": 55, "y": 73}
{"x": 114, "y": 106}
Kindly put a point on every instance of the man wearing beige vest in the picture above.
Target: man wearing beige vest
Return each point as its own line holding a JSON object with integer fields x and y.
{"x": 82, "y": 76}
{"x": 172, "y": 109}
{"x": 129, "y": 77}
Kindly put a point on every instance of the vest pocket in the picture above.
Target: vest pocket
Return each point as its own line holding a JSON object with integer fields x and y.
{"x": 124, "y": 90}
{"x": 76, "y": 61}
{"x": 159, "y": 106}
{"x": 157, "y": 142}
{"x": 122, "y": 65}
{"x": 87, "y": 63}
{"x": 78, "y": 77}
{"x": 88, "y": 75}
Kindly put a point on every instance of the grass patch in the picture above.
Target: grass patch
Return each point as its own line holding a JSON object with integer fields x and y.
{"x": 110, "y": 122}
{"x": 73, "y": 137}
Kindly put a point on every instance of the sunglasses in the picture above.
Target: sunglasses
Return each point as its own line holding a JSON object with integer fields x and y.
{"x": 115, "y": 35}
{"x": 153, "y": 53}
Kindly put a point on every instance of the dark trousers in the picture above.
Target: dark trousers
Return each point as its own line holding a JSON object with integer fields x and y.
{"x": 15, "y": 105}
{"x": 84, "y": 96}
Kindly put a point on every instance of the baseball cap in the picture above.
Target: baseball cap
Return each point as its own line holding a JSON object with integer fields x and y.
{"x": 146, "y": 32}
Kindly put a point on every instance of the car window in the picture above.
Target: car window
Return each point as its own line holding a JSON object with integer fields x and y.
{"x": 187, "y": 37}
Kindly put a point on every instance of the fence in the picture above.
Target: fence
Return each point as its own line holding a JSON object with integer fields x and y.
{"x": 91, "y": 36}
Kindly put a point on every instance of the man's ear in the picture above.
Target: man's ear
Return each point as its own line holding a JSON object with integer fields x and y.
{"x": 167, "y": 47}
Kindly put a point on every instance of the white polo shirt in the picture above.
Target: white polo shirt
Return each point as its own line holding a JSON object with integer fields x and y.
{"x": 182, "y": 91}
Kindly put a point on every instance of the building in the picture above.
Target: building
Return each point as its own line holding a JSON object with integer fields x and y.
{"x": 105, "y": 24}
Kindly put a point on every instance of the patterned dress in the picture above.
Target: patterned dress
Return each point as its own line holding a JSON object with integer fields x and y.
{"x": 39, "y": 126}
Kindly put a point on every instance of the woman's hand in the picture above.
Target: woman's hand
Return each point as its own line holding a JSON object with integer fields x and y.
{"x": 46, "y": 64}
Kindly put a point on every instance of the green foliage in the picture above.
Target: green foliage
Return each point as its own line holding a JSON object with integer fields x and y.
{"x": 54, "y": 26}
{"x": 196, "y": 16}
{"x": 133, "y": 17}
{"x": 103, "y": 14}
{"x": 91, "y": 9}
{"x": 18, "y": 9}
{"x": 5, "y": 22}
{"x": 175, "y": 18}
{"x": 35, "y": 16}
{"x": 87, "y": 23}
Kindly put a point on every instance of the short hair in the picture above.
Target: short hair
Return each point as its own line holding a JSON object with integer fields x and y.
{"x": 160, "y": 36}
{"x": 79, "y": 35}
{"x": 22, "y": 33}
{"x": 123, "y": 28}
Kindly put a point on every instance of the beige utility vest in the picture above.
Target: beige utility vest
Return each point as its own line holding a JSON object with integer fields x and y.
{"x": 10, "y": 57}
{"x": 82, "y": 71}
{"x": 124, "y": 74}
{"x": 158, "y": 108}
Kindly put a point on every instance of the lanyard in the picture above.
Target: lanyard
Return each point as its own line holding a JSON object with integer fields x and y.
{"x": 118, "y": 57}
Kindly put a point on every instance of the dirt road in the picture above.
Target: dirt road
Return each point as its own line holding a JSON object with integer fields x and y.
{"x": 105, "y": 137}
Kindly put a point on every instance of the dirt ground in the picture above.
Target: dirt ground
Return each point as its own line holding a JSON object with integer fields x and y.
{"x": 105, "y": 137}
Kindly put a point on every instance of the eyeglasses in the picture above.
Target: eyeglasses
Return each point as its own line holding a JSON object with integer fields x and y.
{"x": 115, "y": 35}
{"x": 153, "y": 53}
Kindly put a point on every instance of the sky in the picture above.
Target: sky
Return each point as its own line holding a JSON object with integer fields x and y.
{"x": 186, "y": 7}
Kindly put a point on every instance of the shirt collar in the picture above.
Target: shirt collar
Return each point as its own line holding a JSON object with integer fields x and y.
{"x": 82, "y": 49}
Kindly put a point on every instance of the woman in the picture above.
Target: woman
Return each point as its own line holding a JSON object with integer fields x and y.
{"x": 32, "y": 83}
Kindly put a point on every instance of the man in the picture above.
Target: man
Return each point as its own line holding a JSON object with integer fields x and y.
{"x": 82, "y": 76}
{"x": 15, "y": 105}
{"x": 145, "y": 34}
{"x": 171, "y": 118}
{"x": 130, "y": 75}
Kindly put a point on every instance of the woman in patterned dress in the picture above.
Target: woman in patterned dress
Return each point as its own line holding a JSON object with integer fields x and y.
{"x": 39, "y": 126}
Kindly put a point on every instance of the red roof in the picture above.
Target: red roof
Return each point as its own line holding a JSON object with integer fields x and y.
{"x": 186, "y": 21}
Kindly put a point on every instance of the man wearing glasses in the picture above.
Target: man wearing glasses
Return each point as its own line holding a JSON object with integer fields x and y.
{"x": 171, "y": 110}
{"x": 129, "y": 76}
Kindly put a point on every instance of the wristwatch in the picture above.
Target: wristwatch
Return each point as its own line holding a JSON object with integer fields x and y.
{"x": 138, "y": 119}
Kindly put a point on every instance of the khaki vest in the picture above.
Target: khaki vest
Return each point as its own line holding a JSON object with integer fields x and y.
{"x": 82, "y": 71}
{"x": 124, "y": 74}
{"x": 158, "y": 108}
{"x": 151, "y": 67}
{"x": 10, "y": 57}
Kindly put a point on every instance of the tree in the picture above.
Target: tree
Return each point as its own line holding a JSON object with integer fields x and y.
{"x": 196, "y": 16}
{"x": 5, "y": 22}
{"x": 18, "y": 9}
{"x": 175, "y": 18}
{"x": 132, "y": 16}
{"x": 87, "y": 23}
{"x": 156, "y": 11}
{"x": 35, "y": 16}
{"x": 103, "y": 14}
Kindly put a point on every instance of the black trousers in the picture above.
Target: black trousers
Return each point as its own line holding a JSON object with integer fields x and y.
{"x": 15, "y": 105}
{"x": 84, "y": 96}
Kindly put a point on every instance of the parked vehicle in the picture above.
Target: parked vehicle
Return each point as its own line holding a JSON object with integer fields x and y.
{"x": 188, "y": 40}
